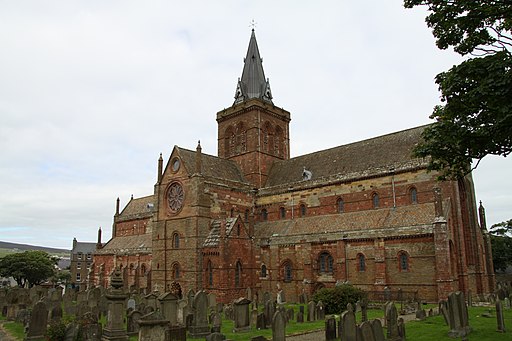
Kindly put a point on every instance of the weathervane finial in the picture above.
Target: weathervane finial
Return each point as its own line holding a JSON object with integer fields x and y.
{"x": 253, "y": 24}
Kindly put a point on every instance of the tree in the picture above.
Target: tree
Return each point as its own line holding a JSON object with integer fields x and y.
{"x": 29, "y": 267}
{"x": 476, "y": 118}
{"x": 501, "y": 243}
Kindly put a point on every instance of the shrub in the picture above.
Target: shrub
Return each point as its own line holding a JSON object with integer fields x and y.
{"x": 56, "y": 331}
{"x": 335, "y": 299}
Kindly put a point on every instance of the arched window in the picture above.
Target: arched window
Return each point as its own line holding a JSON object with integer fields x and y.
{"x": 325, "y": 263}
{"x": 375, "y": 199}
{"x": 302, "y": 210}
{"x": 339, "y": 205}
{"x": 282, "y": 212}
{"x": 241, "y": 138}
{"x": 176, "y": 240}
{"x": 246, "y": 216}
{"x": 263, "y": 270}
{"x": 229, "y": 141}
{"x": 287, "y": 271}
{"x": 143, "y": 270}
{"x": 131, "y": 268}
{"x": 176, "y": 271}
{"x": 361, "y": 262}
{"x": 403, "y": 261}
{"x": 264, "y": 214}
{"x": 209, "y": 273}
{"x": 278, "y": 142}
{"x": 238, "y": 274}
{"x": 232, "y": 213}
{"x": 413, "y": 195}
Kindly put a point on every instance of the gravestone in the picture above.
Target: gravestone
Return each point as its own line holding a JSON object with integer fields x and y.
{"x": 506, "y": 303}
{"x": 270, "y": 310}
{"x": 199, "y": 325}
{"x": 401, "y": 329}
{"x": 443, "y": 310}
{"x": 216, "y": 322}
{"x": 131, "y": 303}
{"x": 153, "y": 327}
{"x": 300, "y": 314}
{"x": 366, "y": 331}
{"x": 364, "y": 309}
{"x": 169, "y": 307}
{"x": 254, "y": 317}
{"x": 278, "y": 327}
{"x": 311, "y": 311}
{"x": 387, "y": 294}
{"x": 114, "y": 329}
{"x": 90, "y": 328}
{"x": 290, "y": 314}
{"x": 38, "y": 321}
{"x": 260, "y": 321}
{"x": 330, "y": 329}
{"x": 152, "y": 302}
{"x": 320, "y": 311}
{"x": 378, "y": 332}
{"x": 266, "y": 297}
{"x": 499, "y": 317}
{"x": 470, "y": 298}
{"x": 242, "y": 321}
{"x": 132, "y": 322}
{"x": 458, "y": 315}
{"x": 392, "y": 322}
{"x": 216, "y": 337}
{"x": 259, "y": 338}
{"x": 212, "y": 301}
{"x": 421, "y": 314}
{"x": 348, "y": 325}
{"x": 56, "y": 313}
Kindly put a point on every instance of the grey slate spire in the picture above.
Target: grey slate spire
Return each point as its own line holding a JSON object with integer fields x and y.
{"x": 253, "y": 83}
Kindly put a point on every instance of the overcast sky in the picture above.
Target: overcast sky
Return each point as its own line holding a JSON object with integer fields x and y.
{"x": 91, "y": 92}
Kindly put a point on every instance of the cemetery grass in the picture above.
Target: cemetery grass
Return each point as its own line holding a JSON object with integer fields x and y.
{"x": 16, "y": 330}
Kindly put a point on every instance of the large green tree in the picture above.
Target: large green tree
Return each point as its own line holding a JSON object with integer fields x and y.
{"x": 475, "y": 118}
{"x": 29, "y": 267}
{"x": 501, "y": 242}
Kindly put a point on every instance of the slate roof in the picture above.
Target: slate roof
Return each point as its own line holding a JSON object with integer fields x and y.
{"x": 137, "y": 208}
{"x": 212, "y": 166}
{"x": 385, "y": 222}
{"x": 127, "y": 244}
{"x": 84, "y": 248}
{"x": 355, "y": 160}
{"x": 214, "y": 236}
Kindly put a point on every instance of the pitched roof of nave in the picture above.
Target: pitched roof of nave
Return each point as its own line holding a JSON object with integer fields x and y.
{"x": 137, "y": 208}
{"x": 214, "y": 236}
{"x": 385, "y": 222}
{"x": 212, "y": 166}
{"x": 365, "y": 158}
{"x": 128, "y": 244}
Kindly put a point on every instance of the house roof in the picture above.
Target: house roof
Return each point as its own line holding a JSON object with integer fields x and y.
{"x": 127, "y": 244}
{"x": 400, "y": 221}
{"x": 84, "y": 248}
{"x": 212, "y": 166}
{"x": 355, "y": 160}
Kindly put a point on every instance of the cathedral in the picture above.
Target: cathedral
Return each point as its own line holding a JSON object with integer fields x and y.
{"x": 366, "y": 213}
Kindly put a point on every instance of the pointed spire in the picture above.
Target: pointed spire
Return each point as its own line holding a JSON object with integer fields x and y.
{"x": 160, "y": 168}
{"x": 198, "y": 157}
{"x": 253, "y": 83}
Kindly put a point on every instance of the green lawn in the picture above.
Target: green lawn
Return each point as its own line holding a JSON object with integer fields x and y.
{"x": 433, "y": 328}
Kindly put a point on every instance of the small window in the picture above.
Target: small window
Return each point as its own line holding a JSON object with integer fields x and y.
{"x": 175, "y": 240}
{"x": 375, "y": 199}
{"x": 89, "y": 265}
{"x": 232, "y": 213}
{"x": 89, "y": 256}
{"x": 209, "y": 271}
{"x": 325, "y": 263}
{"x": 287, "y": 272}
{"x": 282, "y": 212}
{"x": 131, "y": 268}
{"x": 238, "y": 274}
{"x": 339, "y": 205}
{"x": 78, "y": 277}
{"x": 264, "y": 214}
{"x": 143, "y": 270}
{"x": 361, "y": 263}
{"x": 413, "y": 195}
{"x": 78, "y": 265}
{"x": 176, "y": 271}
{"x": 263, "y": 271}
{"x": 79, "y": 256}
{"x": 302, "y": 210}
{"x": 403, "y": 260}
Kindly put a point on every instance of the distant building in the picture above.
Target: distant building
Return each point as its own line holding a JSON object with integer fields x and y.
{"x": 368, "y": 213}
{"x": 81, "y": 262}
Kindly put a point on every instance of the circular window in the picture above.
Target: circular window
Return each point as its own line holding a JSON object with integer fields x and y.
{"x": 175, "y": 164}
{"x": 175, "y": 196}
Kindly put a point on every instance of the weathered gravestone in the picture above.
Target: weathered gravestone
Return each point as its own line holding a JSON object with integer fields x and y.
{"x": 311, "y": 311}
{"x": 499, "y": 317}
{"x": 392, "y": 322}
{"x": 261, "y": 322}
{"x": 378, "y": 332}
{"x": 348, "y": 325}
{"x": 330, "y": 329}
{"x": 266, "y": 297}
{"x": 153, "y": 327}
{"x": 114, "y": 329}
{"x": 458, "y": 315}
{"x": 366, "y": 331}
{"x": 300, "y": 314}
{"x": 212, "y": 301}
{"x": 278, "y": 327}
{"x": 242, "y": 322}
{"x": 216, "y": 322}
{"x": 270, "y": 310}
{"x": 169, "y": 307}
{"x": 38, "y": 321}
{"x": 56, "y": 313}
{"x": 199, "y": 325}
{"x": 254, "y": 317}
{"x": 132, "y": 322}
{"x": 320, "y": 311}
{"x": 90, "y": 328}
{"x": 131, "y": 303}
{"x": 216, "y": 337}
{"x": 401, "y": 329}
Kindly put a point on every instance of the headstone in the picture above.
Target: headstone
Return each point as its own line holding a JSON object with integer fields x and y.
{"x": 212, "y": 300}
{"x": 260, "y": 321}
{"x": 499, "y": 317}
{"x": 254, "y": 317}
{"x": 506, "y": 303}
{"x": 242, "y": 320}
{"x": 443, "y": 310}
{"x": 330, "y": 329}
{"x": 364, "y": 309}
{"x": 169, "y": 307}
{"x": 131, "y": 303}
{"x": 387, "y": 294}
{"x": 311, "y": 311}
{"x": 266, "y": 297}
{"x": 366, "y": 331}
{"x": 56, "y": 313}
{"x": 320, "y": 311}
{"x": 216, "y": 322}
{"x": 392, "y": 322}
{"x": 38, "y": 321}
{"x": 153, "y": 327}
{"x": 270, "y": 310}
{"x": 216, "y": 337}
{"x": 348, "y": 325}
{"x": 132, "y": 322}
{"x": 278, "y": 327}
{"x": 458, "y": 315}
{"x": 259, "y": 338}
{"x": 421, "y": 314}
{"x": 470, "y": 298}
{"x": 90, "y": 328}
{"x": 290, "y": 314}
{"x": 378, "y": 333}
{"x": 401, "y": 329}
{"x": 199, "y": 325}
{"x": 300, "y": 317}
{"x": 114, "y": 329}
